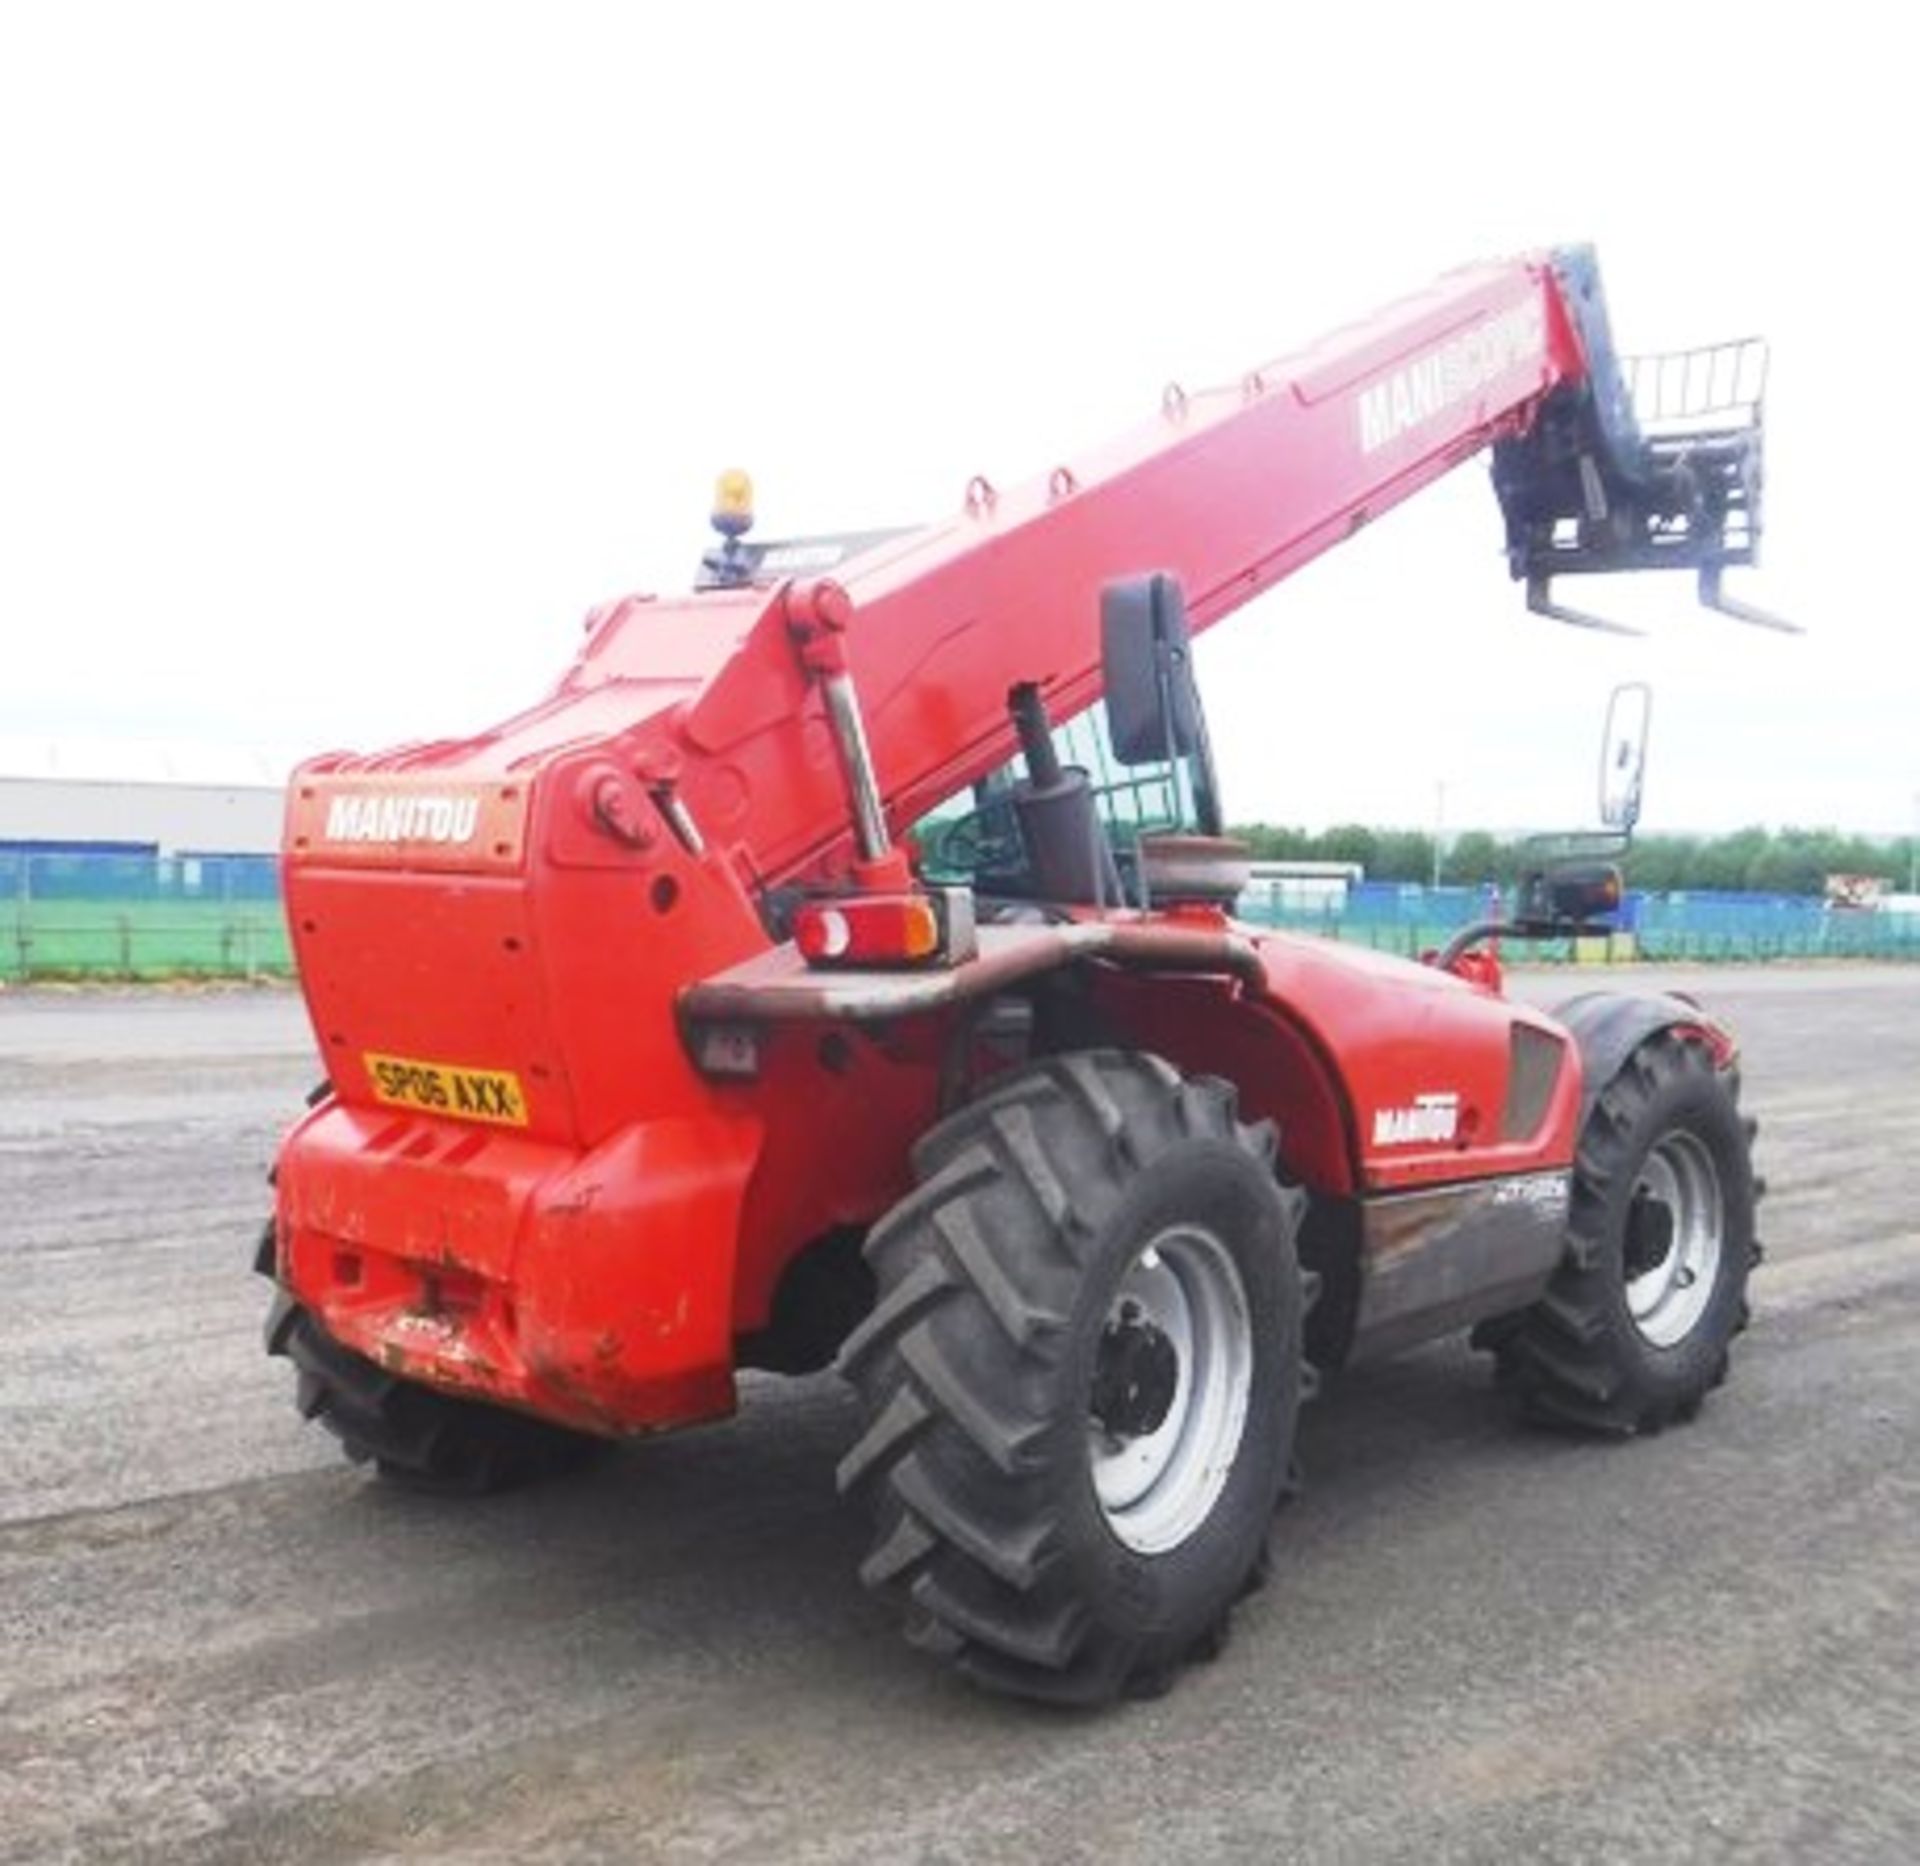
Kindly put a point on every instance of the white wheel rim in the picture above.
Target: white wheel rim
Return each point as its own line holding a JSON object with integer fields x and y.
{"x": 1157, "y": 1486}
{"x": 1667, "y": 1297}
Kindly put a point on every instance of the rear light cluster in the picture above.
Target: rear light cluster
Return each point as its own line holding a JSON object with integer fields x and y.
{"x": 930, "y": 928}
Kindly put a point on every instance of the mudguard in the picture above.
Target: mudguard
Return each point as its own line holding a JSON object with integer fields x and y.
{"x": 1608, "y": 1026}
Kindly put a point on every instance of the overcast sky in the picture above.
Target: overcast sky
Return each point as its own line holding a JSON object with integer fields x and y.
{"x": 348, "y": 353}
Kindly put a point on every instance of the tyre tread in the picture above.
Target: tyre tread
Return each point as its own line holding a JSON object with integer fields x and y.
{"x": 1564, "y": 1357}
{"x": 976, "y": 1269}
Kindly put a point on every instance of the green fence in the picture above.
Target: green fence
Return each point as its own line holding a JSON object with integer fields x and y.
{"x": 76, "y": 915}
{"x": 79, "y": 915}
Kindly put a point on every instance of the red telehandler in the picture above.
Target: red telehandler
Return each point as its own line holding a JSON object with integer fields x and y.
{"x": 840, "y": 963}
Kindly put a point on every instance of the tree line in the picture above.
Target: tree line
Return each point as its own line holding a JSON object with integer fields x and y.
{"x": 1787, "y": 861}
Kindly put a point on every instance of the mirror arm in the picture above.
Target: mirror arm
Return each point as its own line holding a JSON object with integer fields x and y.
{"x": 1471, "y": 936}
{"x": 1481, "y": 930}
{"x": 1163, "y": 680}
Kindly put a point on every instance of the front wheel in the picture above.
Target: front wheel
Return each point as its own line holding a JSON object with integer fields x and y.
{"x": 1080, "y": 1380}
{"x": 1635, "y": 1329}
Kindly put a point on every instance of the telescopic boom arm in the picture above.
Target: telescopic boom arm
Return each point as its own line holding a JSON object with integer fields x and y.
{"x": 1228, "y": 489}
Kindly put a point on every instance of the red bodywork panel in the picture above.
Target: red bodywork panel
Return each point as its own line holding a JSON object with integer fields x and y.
{"x": 1343, "y": 1037}
{"x": 524, "y": 1189}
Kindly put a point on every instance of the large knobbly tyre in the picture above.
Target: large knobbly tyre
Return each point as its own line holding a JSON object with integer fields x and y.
{"x": 1079, "y": 1382}
{"x": 411, "y": 1435}
{"x": 1634, "y": 1330}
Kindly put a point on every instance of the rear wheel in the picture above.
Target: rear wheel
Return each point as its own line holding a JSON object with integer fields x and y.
{"x": 410, "y": 1434}
{"x": 1080, "y": 1380}
{"x": 1635, "y": 1329}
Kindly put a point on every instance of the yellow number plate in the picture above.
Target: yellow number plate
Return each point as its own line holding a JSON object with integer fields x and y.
{"x": 439, "y": 1088}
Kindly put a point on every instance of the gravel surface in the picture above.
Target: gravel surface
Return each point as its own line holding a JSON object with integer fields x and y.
{"x": 218, "y": 1643}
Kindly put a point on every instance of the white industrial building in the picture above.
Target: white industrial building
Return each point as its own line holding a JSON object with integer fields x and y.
{"x": 71, "y": 795}
{"x": 1304, "y": 887}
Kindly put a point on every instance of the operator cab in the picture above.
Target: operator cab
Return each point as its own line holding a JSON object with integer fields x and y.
{"x": 1117, "y": 807}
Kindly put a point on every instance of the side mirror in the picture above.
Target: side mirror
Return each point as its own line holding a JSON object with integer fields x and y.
{"x": 1623, "y": 755}
{"x": 1153, "y": 711}
{"x": 1153, "y": 706}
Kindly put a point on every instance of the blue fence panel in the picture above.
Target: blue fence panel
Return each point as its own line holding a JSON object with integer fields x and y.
{"x": 1411, "y": 918}
{"x": 143, "y": 876}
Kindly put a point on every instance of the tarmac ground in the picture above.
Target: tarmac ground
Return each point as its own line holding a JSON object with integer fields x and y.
{"x": 218, "y": 1642}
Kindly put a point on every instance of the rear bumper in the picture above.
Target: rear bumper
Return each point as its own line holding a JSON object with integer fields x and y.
{"x": 594, "y": 1289}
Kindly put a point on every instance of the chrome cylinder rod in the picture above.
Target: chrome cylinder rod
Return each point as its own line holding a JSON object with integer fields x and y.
{"x": 856, "y": 762}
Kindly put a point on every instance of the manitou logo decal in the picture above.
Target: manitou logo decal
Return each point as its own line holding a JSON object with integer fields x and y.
{"x": 1431, "y": 1118}
{"x": 1450, "y": 374}
{"x": 783, "y": 558}
{"x": 414, "y": 817}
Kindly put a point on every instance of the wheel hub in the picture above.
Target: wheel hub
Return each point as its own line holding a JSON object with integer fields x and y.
{"x": 1172, "y": 1379}
{"x": 1649, "y": 1232}
{"x": 1135, "y": 1376}
{"x": 1675, "y": 1238}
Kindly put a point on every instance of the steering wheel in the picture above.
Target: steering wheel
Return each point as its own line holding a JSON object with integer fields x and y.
{"x": 980, "y": 840}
